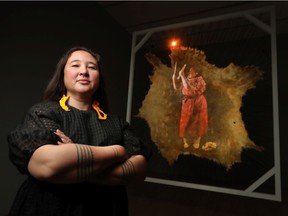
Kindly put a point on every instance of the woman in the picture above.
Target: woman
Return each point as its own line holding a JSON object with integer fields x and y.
{"x": 77, "y": 158}
{"x": 194, "y": 114}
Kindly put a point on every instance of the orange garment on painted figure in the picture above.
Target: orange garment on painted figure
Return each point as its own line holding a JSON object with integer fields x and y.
{"x": 194, "y": 113}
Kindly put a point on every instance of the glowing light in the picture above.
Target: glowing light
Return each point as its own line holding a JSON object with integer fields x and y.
{"x": 174, "y": 43}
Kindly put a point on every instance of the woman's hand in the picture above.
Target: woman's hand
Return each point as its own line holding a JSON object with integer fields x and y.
{"x": 129, "y": 171}
{"x": 65, "y": 139}
{"x": 181, "y": 72}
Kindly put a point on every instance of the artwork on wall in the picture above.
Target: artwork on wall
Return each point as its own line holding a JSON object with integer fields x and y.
{"x": 203, "y": 95}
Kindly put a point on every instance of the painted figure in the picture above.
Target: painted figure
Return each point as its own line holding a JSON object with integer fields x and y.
{"x": 194, "y": 113}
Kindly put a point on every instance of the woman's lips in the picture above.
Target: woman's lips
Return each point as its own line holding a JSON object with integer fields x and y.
{"x": 83, "y": 81}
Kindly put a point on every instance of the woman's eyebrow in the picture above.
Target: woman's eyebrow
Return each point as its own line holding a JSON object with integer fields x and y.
{"x": 89, "y": 62}
{"x": 76, "y": 60}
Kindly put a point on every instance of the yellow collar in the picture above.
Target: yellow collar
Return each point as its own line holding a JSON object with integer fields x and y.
{"x": 95, "y": 106}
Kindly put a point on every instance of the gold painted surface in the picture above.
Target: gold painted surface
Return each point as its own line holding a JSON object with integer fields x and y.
{"x": 226, "y": 136}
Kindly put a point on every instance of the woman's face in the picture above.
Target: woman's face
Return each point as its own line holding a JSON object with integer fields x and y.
{"x": 81, "y": 74}
{"x": 192, "y": 74}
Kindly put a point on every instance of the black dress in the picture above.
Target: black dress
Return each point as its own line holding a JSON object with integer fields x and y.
{"x": 38, "y": 198}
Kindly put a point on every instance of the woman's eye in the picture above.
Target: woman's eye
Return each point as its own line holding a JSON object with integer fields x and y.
{"x": 92, "y": 67}
{"x": 75, "y": 65}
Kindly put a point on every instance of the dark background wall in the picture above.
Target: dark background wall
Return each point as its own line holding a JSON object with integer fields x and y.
{"x": 33, "y": 35}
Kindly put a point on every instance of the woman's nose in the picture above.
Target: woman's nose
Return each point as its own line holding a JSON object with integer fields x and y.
{"x": 83, "y": 71}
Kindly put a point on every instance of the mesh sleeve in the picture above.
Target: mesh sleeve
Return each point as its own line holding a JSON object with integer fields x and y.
{"x": 133, "y": 144}
{"x": 37, "y": 130}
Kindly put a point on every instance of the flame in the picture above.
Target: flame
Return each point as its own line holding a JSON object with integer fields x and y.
{"x": 174, "y": 43}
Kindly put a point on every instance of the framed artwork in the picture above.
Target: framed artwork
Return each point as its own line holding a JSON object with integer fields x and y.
{"x": 203, "y": 95}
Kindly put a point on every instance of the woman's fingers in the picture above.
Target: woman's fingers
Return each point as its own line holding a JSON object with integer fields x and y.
{"x": 63, "y": 137}
{"x": 181, "y": 72}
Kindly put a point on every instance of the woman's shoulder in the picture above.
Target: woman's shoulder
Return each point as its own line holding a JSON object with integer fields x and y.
{"x": 113, "y": 118}
{"x": 44, "y": 107}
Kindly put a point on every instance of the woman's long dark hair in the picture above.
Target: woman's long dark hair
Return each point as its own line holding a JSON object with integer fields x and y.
{"x": 56, "y": 88}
